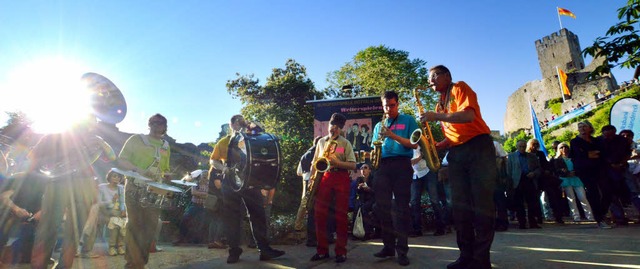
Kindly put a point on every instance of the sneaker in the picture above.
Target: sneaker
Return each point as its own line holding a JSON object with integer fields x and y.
{"x": 112, "y": 251}
{"x": 603, "y": 225}
{"x": 403, "y": 260}
{"x": 234, "y": 255}
{"x": 439, "y": 232}
{"x": 270, "y": 253}
{"x": 121, "y": 250}
{"x": 318, "y": 257}
{"x": 341, "y": 258}
{"x": 459, "y": 264}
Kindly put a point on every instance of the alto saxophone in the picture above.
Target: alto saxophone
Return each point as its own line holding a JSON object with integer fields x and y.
{"x": 423, "y": 137}
{"x": 321, "y": 165}
{"x": 376, "y": 152}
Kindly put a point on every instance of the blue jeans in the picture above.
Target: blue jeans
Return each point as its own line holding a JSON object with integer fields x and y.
{"x": 430, "y": 181}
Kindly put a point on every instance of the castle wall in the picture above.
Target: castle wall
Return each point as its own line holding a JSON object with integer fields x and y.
{"x": 560, "y": 49}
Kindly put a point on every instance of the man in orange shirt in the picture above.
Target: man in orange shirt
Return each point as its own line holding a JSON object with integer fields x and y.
{"x": 472, "y": 170}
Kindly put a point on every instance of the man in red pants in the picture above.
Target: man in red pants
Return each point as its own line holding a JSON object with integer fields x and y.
{"x": 337, "y": 152}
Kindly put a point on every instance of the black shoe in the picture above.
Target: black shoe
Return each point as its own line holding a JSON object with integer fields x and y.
{"x": 459, "y": 264}
{"x": 341, "y": 258}
{"x": 233, "y": 259}
{"x": 522, "y": 226}
{"x": 252, "y": 245}
{"x": 384, "y": 253}
{"x": 439, "y": 233}
{"x": 534, "y": 226}
{"x": 234, "y": 255}
{"x": 270, "y": 253}
{"x": 403, "y": 260}
{"x": 318, "y": 257}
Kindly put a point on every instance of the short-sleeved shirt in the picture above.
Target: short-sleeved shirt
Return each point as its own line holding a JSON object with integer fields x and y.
{"x": 141, "y": 155}
{"x": 344, "y": 150}
{"x": 462, "y": 97}
{"x": 221, "y": 149}
{"x": 403, "y": 126}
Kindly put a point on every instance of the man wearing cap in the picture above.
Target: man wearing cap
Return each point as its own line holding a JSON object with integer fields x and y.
{"x": 334, "y": 183}
{"x": 393, "y": 178}
{"x": 234, "y": 210}
{"x": 147, "y": 155}
{"x": 472, "y": 167}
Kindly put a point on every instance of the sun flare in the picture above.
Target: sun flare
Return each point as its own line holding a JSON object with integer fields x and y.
{"x": 49, "y": 92}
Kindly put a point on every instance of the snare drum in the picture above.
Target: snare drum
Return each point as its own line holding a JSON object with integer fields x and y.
{"x": 160, "y": 196}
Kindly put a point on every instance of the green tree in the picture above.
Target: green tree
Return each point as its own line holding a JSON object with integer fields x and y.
{"x": 621, "y": 44}
{"x": 379, "y": 68}
{"x": 280, "y": 105}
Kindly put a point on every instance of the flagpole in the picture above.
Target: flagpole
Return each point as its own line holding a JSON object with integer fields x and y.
{"x": 560, "y": 20}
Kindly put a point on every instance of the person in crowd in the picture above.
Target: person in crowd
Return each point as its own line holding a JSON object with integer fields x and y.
{"x": 147, "y": 155}
{"x": 393, "y": 179}
{"x": 216, "y": 213}
{"x": 422, "y": 178}
{"x": 615, "y": 154}
{"x": 304, "y": 171}
{"x": 238, "y": 203}
{"x": 365, "y": 200}
{"x": 524, "y": 170}
{"x": 547, "y": 186}
{"x": 20, "y": 203}
{"x": 500, "y": 193}
{"x": 472, "y": 172}
{"x": 571, "y": 184}
{"x": 631, "y": 175}
{"x": 587, "y": 163}
{"x": 66, "y": 159}
{"x": 194, "y": 214}
{"x": 337, "y": 152}
{"x": 112, "y": 208}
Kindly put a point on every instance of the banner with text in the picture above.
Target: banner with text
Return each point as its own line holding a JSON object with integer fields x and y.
{"x": 362, "y": 114}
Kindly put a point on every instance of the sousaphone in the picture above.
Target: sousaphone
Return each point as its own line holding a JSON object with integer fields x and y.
{"x": 107, "y": 100}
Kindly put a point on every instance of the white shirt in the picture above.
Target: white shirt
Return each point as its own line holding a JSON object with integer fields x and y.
{"x": 420, "y": 169}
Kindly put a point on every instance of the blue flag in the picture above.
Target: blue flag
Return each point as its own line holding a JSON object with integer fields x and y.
{"x": 536, "y": 130}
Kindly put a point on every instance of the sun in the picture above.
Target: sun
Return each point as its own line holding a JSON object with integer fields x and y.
{"x": 50, "y": 93}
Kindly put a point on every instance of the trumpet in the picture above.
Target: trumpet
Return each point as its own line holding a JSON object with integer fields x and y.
{"x": 424, "y": 138}
{"x": 376, "y": 152}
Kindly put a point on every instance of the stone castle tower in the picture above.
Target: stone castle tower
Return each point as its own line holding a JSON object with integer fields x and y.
{"x": 560, "y": 49}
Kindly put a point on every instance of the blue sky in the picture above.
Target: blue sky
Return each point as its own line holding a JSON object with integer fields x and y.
{"x": 174, "y": 57}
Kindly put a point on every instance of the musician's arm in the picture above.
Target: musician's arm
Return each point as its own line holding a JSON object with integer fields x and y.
{"x": 200, "y": 194}
{"x": 125, "y": 164}
{"x": 5, "y": 199}
{"x": 465, "y": 116}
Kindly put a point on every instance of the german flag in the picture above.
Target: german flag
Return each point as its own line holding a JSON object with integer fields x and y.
{"x": 566, "y": 12}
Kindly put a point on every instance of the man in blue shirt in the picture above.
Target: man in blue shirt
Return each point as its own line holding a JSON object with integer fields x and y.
{"x": 393, "y": 178}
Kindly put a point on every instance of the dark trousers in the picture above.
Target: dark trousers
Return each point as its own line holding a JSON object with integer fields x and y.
{"x": 472, "y": 176}
{"x": 393, "y": 181}
{"x": 141, "y": 227}
{"x": 235, "y": 211}
{"x": 335, "y": 184}
{"x": 501, "y": 202}
{"x": 194, "y": 219}
{"x": 72, "y": 196}
{"x": 526, "y": 193}
{"x": 592, "y": 182}
{"x": 430, "y": 181}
